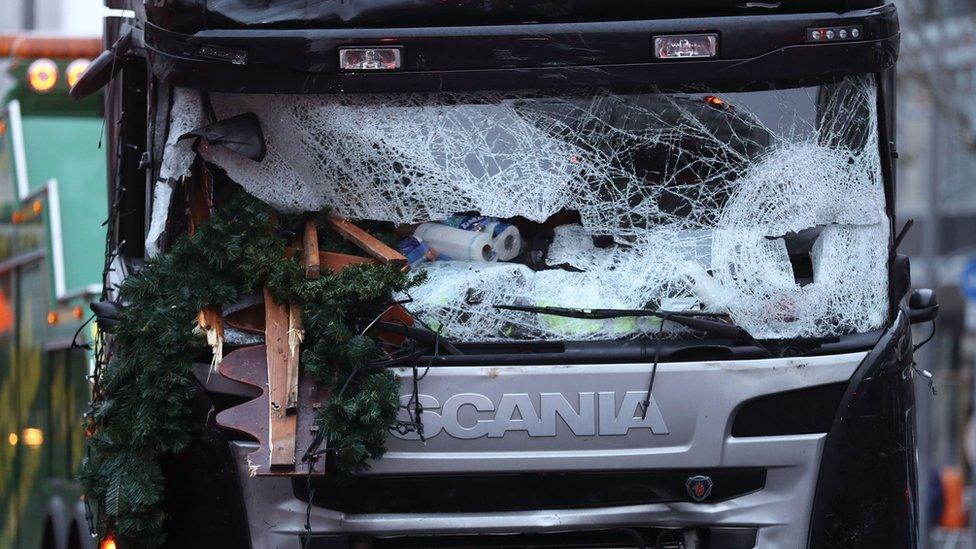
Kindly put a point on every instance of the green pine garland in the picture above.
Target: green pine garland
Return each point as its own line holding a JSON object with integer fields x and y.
{"x": 146, "y": 386}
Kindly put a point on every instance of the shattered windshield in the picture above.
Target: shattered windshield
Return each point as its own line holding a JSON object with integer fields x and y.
{"x": 766, "y": 205}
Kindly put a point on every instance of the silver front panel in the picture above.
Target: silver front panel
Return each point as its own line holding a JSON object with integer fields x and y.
{"x": 585, "y": 417}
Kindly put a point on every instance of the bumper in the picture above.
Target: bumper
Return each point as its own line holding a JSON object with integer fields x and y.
{"x": 780, "y": 511}
{"x": 806, "y": 475}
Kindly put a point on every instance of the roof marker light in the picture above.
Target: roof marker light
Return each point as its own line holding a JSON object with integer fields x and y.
{"x": 686, "y": 46}
{"x": 833, "y": 34}
{"x": 370, "y": 59}
{"x": 715, "y": 101}
{"x": 42, "y": 75}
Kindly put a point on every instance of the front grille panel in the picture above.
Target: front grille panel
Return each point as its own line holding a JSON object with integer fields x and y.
{"x": 660, "y": 538}
{"x": 521, "y": 491}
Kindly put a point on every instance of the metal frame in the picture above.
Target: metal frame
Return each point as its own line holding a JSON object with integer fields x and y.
{"x": 17, "y": 140}
{"x": 542, "y": 55}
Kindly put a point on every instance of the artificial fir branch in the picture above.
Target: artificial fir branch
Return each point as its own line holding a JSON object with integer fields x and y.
{"x": 143, "y": 413}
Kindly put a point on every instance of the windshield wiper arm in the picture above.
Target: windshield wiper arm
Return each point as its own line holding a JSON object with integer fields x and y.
{"x": 689, "y": 319}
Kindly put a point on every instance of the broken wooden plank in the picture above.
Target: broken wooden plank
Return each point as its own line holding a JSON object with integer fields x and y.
{"x": 310, "y": 243}
{"x": 369, "y": 243}
{"x": 281, "y": 437}
{"x": 295, "y": 336}
{"x": 247, "y": 365}
{"x": 336, "y": 262}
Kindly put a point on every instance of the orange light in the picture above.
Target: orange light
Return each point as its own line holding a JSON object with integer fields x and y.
{"x": 3, "y": 127}
{"x": 74, "y": 71}
{"x": 37, "y": 206}
{"x": 715, "y": 101}
{"x": 61, "y": 47}
{"x": 33, "y": 437}
{"x": 107, "y": 543}
{"x": 52, "y": 318}
{"x": 77, "y": 312}
{"x": 6, "y": 314}
{"x": 12, "y": 438}
{"x": 17, "y": 217}
{"x": 42, "y": 75}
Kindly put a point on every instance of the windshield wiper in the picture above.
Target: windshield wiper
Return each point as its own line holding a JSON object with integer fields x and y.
{"x": 696, "y": 320}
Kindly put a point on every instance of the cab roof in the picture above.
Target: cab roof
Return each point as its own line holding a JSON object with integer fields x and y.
{"x": 189, "y": 16}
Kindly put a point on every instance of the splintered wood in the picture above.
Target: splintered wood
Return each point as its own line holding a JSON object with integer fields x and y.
{"x": 281, "y": 437}
{"x": 295, "y": 336}
{"x": 278, "y": 434}
{"x": 211, "y": 325}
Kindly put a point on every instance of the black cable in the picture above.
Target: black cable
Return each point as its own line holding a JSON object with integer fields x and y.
{"x": 413, "y": 406}
{"x": 348, "y": 380}
{"x": 74, "y": 338}
{"x": 418, "y": 408}
{"x": 926, "y": 340}
{"x": 657, "y": 356}
{"x": 307, "y": 535}
{"x": 406, "y": 352}
{"x": 437, "y": 350}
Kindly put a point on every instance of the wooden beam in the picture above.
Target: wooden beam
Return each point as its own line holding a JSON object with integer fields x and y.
{"x": 295, "y": 336}
{"x": 335, "y": 262}
{"x": 199, "y": 201}
{"x": 369, "y": 243}
{"x": 310, "y": 245}
{"x": 281, "y": 436}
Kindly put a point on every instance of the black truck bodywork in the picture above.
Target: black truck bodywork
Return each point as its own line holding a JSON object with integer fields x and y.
{"x": 866, "y": 492}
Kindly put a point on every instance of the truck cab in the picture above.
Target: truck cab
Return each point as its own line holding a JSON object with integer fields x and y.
{"x": 655, "y": 296}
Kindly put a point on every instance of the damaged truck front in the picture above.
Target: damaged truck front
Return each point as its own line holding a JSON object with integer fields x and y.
{"x": 411, "y": 274}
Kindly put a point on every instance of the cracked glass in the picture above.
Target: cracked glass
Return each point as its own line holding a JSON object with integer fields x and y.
{"x": 767, "y": 205}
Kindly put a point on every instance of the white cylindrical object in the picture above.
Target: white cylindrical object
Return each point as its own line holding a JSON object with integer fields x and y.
{"x": 457, "y": 244}
{"x": 506, "y": 240}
